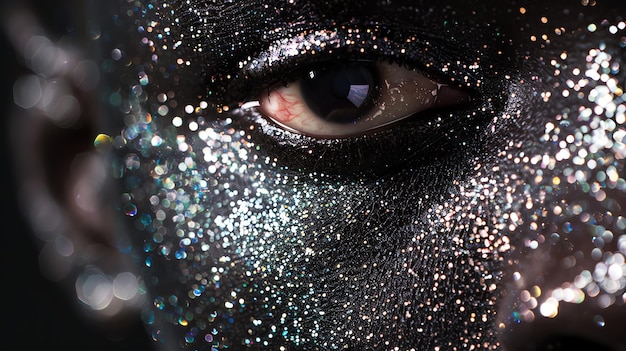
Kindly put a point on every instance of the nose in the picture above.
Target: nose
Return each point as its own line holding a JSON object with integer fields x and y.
{"x": 584, "y": 326}
{"x": 555, "y": 297}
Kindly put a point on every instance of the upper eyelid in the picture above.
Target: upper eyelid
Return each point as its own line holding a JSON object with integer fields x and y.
{"x": 299, "y": 73}
{"x": 424, "y": 52}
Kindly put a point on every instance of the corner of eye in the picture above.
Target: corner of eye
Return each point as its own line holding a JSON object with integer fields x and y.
{"x": 246, "y": 105}
{"x": 451, "y": 96}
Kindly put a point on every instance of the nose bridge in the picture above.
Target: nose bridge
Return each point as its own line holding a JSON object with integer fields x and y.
{"x": 566, "y": 283}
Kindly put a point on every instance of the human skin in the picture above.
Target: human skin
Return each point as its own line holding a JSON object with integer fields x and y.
{"x": 498, "y": 224}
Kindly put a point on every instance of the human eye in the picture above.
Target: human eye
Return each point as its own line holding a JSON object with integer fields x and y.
{"x": 365, "y": 101}
{"x": 354, "y": 98}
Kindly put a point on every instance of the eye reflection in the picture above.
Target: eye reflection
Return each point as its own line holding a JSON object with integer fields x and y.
{"x": 340, "y": 96}
{"x": 354, "y": 99}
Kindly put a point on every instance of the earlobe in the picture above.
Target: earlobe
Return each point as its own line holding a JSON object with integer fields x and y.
{"x": 63, "y": 184}
{"x": 85, "y": 192}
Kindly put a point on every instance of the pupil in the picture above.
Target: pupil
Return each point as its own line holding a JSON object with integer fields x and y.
{"x": 342, "y": 95}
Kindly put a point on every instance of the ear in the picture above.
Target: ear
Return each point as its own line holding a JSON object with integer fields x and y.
{"x": 62, "y": 179}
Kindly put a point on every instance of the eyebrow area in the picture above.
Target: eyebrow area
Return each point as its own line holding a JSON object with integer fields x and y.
{"x": 217, "y": 37}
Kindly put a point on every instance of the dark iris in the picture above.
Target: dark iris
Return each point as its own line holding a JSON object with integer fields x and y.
{"x": 342, "y": 95}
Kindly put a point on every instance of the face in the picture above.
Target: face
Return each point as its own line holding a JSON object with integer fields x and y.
{"x": 369, "y": 174}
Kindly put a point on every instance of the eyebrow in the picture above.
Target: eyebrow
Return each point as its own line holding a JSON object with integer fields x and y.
{"x": 215, "y": 37}
{"x": 227, "y": 25}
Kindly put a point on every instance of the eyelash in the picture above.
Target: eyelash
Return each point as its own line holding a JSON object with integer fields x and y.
{"x": 429, "y": 55}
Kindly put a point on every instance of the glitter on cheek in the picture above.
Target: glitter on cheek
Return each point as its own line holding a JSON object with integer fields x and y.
{"x": 270, "y": 251}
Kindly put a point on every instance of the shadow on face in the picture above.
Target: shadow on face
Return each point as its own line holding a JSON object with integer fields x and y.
{"x": 361, "y": 175}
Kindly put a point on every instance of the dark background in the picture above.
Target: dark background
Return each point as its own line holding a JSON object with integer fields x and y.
{"x": 36, "y": 313}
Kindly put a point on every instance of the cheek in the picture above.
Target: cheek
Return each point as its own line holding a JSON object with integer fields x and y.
{"x": 233, "y": 243}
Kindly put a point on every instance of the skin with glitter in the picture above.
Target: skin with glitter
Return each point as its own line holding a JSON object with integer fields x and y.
{"x": 253, "y": 236}
{"x": 498, "y": 223}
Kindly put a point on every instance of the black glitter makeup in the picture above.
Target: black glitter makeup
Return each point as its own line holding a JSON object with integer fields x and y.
{"x": 459, "y": 229}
